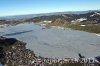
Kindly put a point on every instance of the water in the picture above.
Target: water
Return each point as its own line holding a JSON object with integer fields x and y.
{"x": 55, "y": 42}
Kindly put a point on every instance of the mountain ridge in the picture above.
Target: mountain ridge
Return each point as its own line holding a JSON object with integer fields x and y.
{"x": 16, "y": 17}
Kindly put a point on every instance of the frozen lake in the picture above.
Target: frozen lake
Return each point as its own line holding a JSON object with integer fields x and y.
{"x": 55, "y": 42}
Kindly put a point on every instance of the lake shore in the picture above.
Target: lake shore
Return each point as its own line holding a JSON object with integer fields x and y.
{"x": 43, "y": 41}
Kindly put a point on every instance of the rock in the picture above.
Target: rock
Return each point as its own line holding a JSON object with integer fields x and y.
{"x": 15, "y": 52}
{"x": 7, "y": 41}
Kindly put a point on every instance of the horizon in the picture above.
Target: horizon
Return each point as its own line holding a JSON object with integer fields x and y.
{"x": 46, "y": 13}
{"x": 25, "y": 7}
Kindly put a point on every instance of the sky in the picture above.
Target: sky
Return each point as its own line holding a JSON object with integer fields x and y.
{"x": 21, "y": 7}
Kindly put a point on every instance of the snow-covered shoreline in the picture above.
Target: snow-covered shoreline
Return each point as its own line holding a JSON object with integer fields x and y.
{"x": 98, "y": 34}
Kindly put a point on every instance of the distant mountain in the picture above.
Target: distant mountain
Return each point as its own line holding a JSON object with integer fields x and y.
{"x": 44, "y": 14}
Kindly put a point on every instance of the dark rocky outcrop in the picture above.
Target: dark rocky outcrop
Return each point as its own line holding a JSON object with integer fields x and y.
{"x": 14, "y": 52}
{"x": 7, "y": 41}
